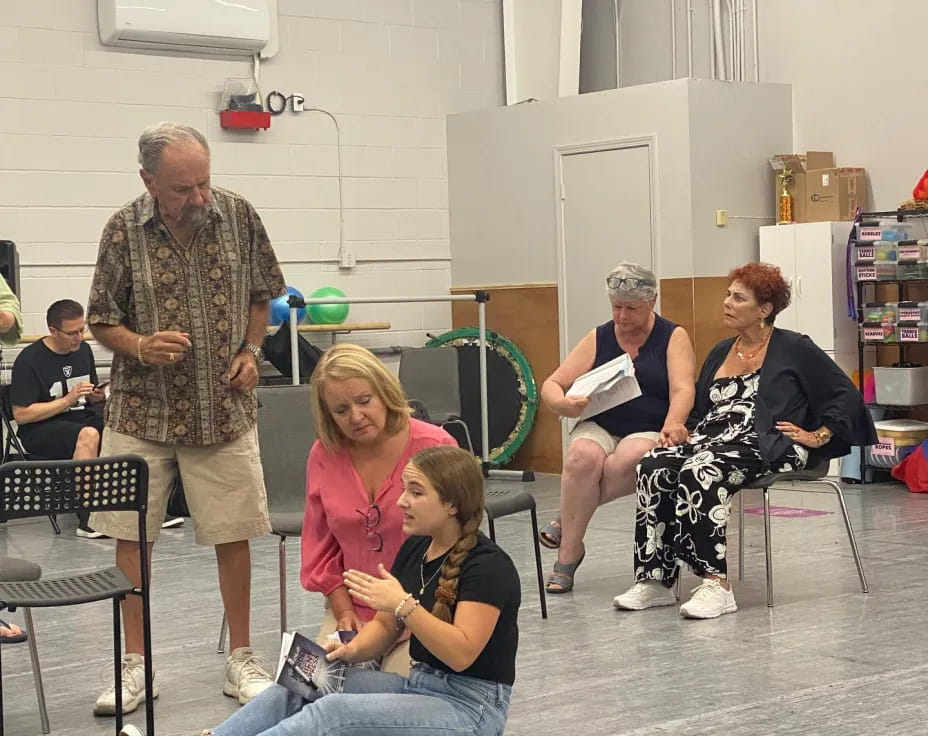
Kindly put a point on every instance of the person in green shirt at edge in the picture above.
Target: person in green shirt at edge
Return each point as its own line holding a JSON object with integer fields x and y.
{"x": 11, "y": 329}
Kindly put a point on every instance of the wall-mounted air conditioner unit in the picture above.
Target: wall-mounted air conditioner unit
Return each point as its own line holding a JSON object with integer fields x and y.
{"x": 197, "y": 26}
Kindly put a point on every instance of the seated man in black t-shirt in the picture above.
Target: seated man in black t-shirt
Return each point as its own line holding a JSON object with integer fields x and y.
{"x": 57, "y": 398}
{"x": 56, "y": 402}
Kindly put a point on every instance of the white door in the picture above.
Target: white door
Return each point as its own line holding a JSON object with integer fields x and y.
{"x": 606, "y": 218}
{"x": 778, "y": 247}
{"x": 814, "y": 292}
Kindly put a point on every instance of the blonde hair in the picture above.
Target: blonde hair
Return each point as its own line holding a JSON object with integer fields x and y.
{"x": 341, "y": 362}
{"x": 455, "y": 474}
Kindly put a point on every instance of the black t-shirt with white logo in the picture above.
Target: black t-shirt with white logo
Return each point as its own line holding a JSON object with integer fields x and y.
{"x": 41, "y": 375}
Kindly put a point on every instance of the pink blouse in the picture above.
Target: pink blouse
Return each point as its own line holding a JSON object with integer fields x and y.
{"x": 335, "y": 536}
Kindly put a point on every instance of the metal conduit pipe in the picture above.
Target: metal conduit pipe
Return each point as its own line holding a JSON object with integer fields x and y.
{"x": 689, "y": 38}
{"x": 741, "y": 36}
{"x": 756, "y": 45}
{"x": 730, "y": 6}
{"x": 719, "y": 35}
{"x": 673, "y": 38}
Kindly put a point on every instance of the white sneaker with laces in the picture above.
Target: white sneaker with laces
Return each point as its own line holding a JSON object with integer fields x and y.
{"x": 133, "y": 688}
{"x": 247, "y": 675}
{"x": 710, "y": 600}
{"x": 645, "y": 594}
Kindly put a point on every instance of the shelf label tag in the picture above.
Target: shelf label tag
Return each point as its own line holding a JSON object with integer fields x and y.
{"x": 885, "y": 447}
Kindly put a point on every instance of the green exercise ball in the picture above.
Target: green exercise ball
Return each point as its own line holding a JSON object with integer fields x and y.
{"x": 327, "y": 314}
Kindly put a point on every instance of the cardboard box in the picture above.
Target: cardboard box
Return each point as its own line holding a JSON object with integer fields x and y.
{"x": 821, "y": 191}
{"x": 833, "y": 194}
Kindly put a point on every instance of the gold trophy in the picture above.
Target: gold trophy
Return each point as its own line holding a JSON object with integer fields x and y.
{"x": 784, "y": 198}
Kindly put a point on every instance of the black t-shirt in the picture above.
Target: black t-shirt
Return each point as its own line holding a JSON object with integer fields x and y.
{"x": 487, "y": 576}
{"x": 41, "y": 375}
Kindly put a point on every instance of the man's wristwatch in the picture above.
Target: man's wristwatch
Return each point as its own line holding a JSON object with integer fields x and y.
{"x": 254, "y": 350}
{"x": 822, "y": 434}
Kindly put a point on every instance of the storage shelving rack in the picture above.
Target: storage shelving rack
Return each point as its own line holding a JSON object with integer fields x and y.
{"x": 902, "y": 288}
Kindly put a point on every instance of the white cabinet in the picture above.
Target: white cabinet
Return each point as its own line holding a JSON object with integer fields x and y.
{"x": 812, "y": 258}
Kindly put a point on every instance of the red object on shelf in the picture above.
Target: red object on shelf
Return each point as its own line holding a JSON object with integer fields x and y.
{"x": 244, "y": 119}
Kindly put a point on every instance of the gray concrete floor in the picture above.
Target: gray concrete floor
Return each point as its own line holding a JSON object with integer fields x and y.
{"x": 826, "y": 660}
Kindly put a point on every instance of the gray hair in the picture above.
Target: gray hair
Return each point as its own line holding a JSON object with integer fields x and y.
{"x": 155, "y": 137}
{"x": 631, "y": 282}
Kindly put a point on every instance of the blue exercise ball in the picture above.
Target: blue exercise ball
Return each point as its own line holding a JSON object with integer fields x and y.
{"x": 280, "y": 310}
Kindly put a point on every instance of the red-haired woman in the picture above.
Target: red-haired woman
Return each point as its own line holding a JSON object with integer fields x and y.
{"x": 765, "y": 400}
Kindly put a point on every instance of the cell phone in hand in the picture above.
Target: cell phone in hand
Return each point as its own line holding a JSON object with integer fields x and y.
{"x": 346, "y": 636}
{"x": 101, "y": 385}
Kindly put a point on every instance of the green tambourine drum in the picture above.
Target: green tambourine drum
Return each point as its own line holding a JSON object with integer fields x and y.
{"x": 512, "y": 396}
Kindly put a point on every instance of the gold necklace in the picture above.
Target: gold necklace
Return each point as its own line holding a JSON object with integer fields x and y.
{"x": 748, "y": 356}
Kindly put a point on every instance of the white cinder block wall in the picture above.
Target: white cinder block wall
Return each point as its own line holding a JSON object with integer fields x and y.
{"x": 389, "y": 70}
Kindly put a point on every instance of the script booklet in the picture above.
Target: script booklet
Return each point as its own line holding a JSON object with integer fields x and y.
{"x": 303, "y": 668}
{"x": 608, "y": 385}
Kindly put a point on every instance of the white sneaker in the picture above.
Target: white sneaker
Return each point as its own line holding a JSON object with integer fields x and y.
{"x": 710, "y": 600}
{"x": 645, "y": 594}
{"x": 133, "y": 688}
{"x": 247, "y": 675}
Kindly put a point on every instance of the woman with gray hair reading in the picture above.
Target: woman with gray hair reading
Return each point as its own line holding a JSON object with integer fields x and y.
{"x": 604, "y": 449}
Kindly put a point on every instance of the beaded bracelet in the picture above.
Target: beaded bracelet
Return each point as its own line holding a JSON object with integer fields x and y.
{"x": 415, "y": 605}
{"x": 138, "y": 352}
{"x": 396, "y": 611}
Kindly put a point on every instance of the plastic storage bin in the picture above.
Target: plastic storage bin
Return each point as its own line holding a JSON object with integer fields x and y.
{"x": 897, "y": 438}
{"x": 908, "y": 312}
{"x": 878, "y": 313}
{"x": 885, "y": 230}
{"x": 909, "y": 270}
{"x": 875, "y": 271}
{"x": 879, "y": 333}
{"x": 910, "y": 250}
{"x": 901, "y": 386}
{"x": 884, "y": 250}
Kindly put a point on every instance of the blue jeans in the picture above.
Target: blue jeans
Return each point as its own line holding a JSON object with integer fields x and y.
{"x": 377, "y": 703}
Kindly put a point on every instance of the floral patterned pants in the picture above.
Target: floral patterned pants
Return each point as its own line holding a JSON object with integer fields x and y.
{"x": 684, "y": 499}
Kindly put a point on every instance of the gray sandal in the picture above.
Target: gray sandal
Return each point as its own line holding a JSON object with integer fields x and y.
{"x": 563, "y": 576}
{"x": 550, "y": 534}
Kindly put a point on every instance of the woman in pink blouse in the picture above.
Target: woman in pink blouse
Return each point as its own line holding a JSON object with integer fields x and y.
{"x": 365, "y": 437}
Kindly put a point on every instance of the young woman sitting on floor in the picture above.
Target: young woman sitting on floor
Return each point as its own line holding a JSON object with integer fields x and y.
{"x": 456, "y": 592}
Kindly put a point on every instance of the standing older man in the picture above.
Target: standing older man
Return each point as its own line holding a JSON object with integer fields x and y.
{"x": 180, "y": 295}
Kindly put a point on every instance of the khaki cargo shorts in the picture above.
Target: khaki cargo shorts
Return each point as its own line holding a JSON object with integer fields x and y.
{"x": 223, "y": 485}
{"x": 588, "y": 430}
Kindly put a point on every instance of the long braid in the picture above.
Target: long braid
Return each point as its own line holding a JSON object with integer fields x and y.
{"x": 447, "y": 592}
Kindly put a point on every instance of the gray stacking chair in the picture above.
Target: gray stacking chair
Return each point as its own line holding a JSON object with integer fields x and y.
{"x": 430, "y": 377}
{"x": 13, "y": 570}
{"x": 285, "y": 436}
{"x": 812, "y": 475}
{"x": 42, "y": 487}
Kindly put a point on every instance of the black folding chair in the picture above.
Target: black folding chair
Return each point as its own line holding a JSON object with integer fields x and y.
{"x": 44, "y": 487}
{"x": 12, "y": 446}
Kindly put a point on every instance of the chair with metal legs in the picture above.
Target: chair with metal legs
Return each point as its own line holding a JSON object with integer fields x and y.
{"x": 12, "y": 446}
{"x": 13, "y": 570}
{"x": 285, "y": 437}
{"x": 42, "y": 487}
{"x": 430, "y": 377}
{"x": 500, "y": 503}
{"x": 815, "y": 474}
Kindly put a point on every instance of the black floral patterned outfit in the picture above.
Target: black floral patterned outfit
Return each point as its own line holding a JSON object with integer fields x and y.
{"x": 684, "y": 492}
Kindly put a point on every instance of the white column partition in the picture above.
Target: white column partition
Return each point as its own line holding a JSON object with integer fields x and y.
{"x": 481, "y": 297}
